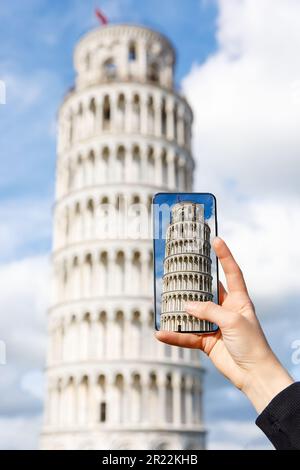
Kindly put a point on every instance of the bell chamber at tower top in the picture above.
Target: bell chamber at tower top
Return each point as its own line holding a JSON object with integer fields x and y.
{"x": 124, "y": 52}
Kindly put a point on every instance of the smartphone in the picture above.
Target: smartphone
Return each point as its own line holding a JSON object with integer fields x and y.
{"x": 185, "y": 265}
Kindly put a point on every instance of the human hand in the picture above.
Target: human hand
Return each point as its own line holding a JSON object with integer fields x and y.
{"x": 239, "y": 348}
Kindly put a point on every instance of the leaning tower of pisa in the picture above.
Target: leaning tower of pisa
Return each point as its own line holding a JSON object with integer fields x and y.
{"x": 187, "y": 268}
{"x": 124, "y": 134}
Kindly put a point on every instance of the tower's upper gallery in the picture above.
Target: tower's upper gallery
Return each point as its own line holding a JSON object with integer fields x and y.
{"x": 124, "y": 52}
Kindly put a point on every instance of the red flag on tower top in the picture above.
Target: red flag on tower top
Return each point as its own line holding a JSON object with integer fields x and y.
{"x": 101, "y": 17}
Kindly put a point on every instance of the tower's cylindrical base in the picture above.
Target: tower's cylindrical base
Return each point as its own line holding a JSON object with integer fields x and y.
{"x": 126, "y": 440}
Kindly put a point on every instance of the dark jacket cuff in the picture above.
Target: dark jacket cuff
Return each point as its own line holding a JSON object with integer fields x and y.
{"x": 280, "y": 420}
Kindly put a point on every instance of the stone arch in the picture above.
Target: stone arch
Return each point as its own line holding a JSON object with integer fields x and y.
{"x": 175, "y": 119}
{"x": 87, "y": 275}
{"x": 121, "y": 107}
{"x": 136, "y": 402}
{"x": 82, "y": 402}
{"x": 90, "y": 168}
{"x": 150, "y": 164}
{"x": 132, "y": 53}
{"x": 153, "y": 72}
{"x": 89, "y": 219}
{"x": 102, "y": 285}
{"x": 91, "y": 116}
{"x": 136, "y": 113}
{"x": 119, "y": 383}
{"x": 72, "y": 338}
{"x": 65, "y": 280}
{"x": 136, "y": 163}
{"x": 136, "y": 334}
{"x": 104, "y": 164}
{"x": 118, "y": 344}
{"x": 120, "y": 164}
{"x": 106, "y": 113}
{"x": 153, "y": 399}
{"x": 119, "y": 279}
{"x": 164, "y": 167}
{"x": 69, "y": 401}
{"x": 101, "y": 334}
{"x": 76, "y": 282}
{"x": 163, "y": 117}
{"x": 150, "y": 114}
{"x": 101, "y": 397}
{"x": 136, "y": 270}
{"x": 79, "y": 172}
{"x": 84, "y": 336}
{"x": 169, "y": 398}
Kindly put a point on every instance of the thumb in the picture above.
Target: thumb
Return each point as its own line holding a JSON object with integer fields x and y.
{"x": 209, "y": 311}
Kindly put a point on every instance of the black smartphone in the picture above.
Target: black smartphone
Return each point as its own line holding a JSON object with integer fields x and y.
{"x": 185, "y": 265}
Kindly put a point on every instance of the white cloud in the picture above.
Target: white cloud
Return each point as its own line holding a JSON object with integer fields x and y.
{"x": 19, "y": 433}
{"x": 34, "y": 382}
{"x": 238, "y": 436}
{"x": 263, "y": 237}
{"x": 23, "y": 91}
{"x": 246, "y": 137}
{"x": 245, "y": 100}
{"x": 24, "y": 288}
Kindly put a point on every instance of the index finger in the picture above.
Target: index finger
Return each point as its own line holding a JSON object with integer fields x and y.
{"x": 232, "y": 271}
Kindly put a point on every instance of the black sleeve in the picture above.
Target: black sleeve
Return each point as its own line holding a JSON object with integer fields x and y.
{"x": 280, "y": 420}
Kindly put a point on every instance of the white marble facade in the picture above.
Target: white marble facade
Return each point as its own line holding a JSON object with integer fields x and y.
{"x": 123, "y": 135}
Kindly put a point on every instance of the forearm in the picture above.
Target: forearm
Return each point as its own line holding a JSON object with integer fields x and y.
{"x": 265, "y": 382}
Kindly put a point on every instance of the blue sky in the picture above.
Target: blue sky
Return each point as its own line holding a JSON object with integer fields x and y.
{"x": 238, "y": 67}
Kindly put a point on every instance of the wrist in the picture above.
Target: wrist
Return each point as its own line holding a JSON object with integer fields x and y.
{"x": 265, "y": 381}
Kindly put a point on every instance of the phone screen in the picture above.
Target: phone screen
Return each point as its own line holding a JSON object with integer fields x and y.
{"x": 185, "y": 265}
